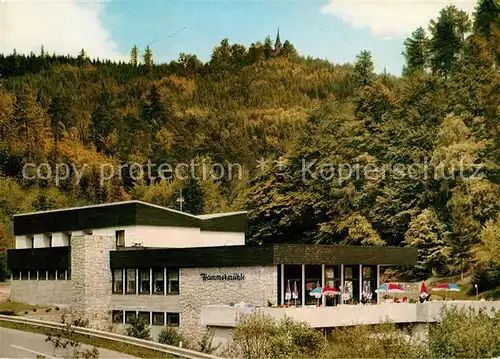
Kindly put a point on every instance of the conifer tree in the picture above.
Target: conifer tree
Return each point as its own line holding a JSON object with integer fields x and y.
{"x": 268, "y": 47}
{"x": 59, "y": 111}
{"x": 448, "y": 33}
{"x": 288, "y": 50}
{"x": 30, "y": 120}
{"x": 134, "y": 56}
{"x": 427, "y": 234}
{"x": 148, "y": 57}
{"x": 487, "y": 13}
{"x": 103, "y": 119}
{"x": 415, "y": 52}
{"x": 83, "y": 57}
{"x": 363, "y": 69}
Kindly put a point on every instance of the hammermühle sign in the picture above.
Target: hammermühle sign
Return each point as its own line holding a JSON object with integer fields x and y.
{"x": 221, "y": 277}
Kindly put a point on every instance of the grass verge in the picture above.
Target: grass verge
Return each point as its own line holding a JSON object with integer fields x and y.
{"x": 97, "y": 342}
{"x": 10, "y": 308}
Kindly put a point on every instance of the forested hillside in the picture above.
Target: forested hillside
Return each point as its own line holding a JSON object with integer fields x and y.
{"x": 329, "y": 153}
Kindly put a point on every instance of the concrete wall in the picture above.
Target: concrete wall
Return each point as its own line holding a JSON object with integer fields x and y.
{"x": 223, "y": 238}
{"x": 147, "y": 303}
{"x": 259, "y": 286}
{"x": 42, "y": 292}
{"x": 91, "y": 278}
{"x": 343, "y": 315}
{"x": 60, "y": 240}
{"x": 24, "y": 242}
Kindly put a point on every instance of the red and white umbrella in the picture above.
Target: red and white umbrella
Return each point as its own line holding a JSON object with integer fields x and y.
{"x": 389, "y": 288}
{"x": 288, "y": 293}
{"x": 295, "y": 292}
{"x": 330, "y": 291}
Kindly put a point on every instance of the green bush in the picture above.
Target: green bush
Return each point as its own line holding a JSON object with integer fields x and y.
{"x": 486, "y": 275}
{"x": 365, "y": 341}
{"x": 465, "y": 333}
{"x": 139, "y": 328}
{"x": 258, "y": 336}
{"x": 206, "y": 344}
{"x": 170, "y": 336}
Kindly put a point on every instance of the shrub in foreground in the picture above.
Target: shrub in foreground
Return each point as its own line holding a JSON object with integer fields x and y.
{"x": 258, "y": 336}
{"x": 170, "y": 336}
{"x": 465, "y": 333}
{"x": 139, "y": 328}
{"x": 381, "y": 341}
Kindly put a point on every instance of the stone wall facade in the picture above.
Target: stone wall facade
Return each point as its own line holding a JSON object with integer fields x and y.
{"x": 258, "y": 286}
{"x": 42, "y": 292}
{"x": 91, "y": 278}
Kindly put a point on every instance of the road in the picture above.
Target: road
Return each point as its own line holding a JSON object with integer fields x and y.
{"x": 19, "y": 344}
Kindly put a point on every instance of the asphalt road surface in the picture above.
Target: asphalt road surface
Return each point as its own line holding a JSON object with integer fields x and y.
{"x": 19, "y": 344}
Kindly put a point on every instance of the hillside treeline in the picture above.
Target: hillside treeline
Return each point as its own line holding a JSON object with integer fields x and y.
{"x": 326, "y": 153}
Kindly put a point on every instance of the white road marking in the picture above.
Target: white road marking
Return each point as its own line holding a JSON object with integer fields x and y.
{"x": 32, "y": 351}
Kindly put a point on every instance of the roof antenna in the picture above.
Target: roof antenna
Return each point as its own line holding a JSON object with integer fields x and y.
{"x": 180, "y": 199}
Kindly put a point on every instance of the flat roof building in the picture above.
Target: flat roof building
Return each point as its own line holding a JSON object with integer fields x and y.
{"x": 112, "y": 262}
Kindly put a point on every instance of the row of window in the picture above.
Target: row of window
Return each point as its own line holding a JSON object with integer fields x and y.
{"x": 47, "y": 240}
{"x": 160, "y": 281}
{"x": 41, "y": 275}
{"x": 152, "y": 318}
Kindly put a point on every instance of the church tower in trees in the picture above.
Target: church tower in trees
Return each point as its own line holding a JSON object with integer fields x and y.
{"x": 277, "y": 44}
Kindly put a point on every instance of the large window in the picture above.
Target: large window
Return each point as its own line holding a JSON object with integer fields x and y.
{"x": 293, "y": 284}
{"x": 158, "y": 318}
{"x": 313, "y": 280}
{"x": 117, "y": 316}
{"x": 144, "y": 281}
{"x": 158, "y": 281}
{"x": 332, "y": 279}
{"x": 173, "y": 319}
{"x": 173, "y": 281}
{"x": 352, "y": 285}
{"x": 131, "y": 281}
{"x": 129, "y": 316}
{"x": 120, "y": 238}
{"x": 118, "y": 281}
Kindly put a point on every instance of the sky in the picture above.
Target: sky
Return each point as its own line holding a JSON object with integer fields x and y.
{"x": 328, "y": 29}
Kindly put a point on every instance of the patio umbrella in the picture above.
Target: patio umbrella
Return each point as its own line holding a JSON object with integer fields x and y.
{"x": 423, "y": 291}
{"x": 288, "y": 293}
{"x": 389, "y": 288}
{"x": 345, "y": 293}
{"x": 446, "y": 287}
{"x": 316, "y": 293}
{"x": 295, "y": 293}
{"x": 368, "y": 290}
{"x": 326, "y": 291}
{"x": 330, "y": 291}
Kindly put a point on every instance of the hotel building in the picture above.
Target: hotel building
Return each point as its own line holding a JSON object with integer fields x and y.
{"x": 112, "y": 262}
